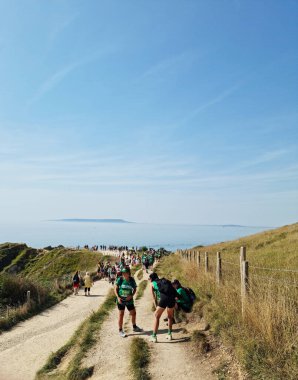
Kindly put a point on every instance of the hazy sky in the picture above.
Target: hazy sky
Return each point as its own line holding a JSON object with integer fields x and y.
{"x": 154, "y": 111}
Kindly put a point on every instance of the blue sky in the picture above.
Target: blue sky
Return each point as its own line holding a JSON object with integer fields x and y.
{"x": 152, "y": 111}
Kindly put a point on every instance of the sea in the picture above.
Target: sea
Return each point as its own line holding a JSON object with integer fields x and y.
{"x": 72, "y": 234}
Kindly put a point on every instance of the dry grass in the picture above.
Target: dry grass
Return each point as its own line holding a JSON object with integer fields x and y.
{"x": 13, "y": 299}
{"x": 141, "y": 288}
{"x": 266, "y": 338}
{"x": 139, "y": 359}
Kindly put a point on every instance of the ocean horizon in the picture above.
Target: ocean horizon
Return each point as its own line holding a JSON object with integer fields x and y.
{"x": 80, "y": 232}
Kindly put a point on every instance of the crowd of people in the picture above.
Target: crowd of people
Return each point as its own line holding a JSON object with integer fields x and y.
{"x": 166, "y": 295}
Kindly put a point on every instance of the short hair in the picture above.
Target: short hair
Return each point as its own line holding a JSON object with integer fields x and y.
{"x": 153, "y": 276}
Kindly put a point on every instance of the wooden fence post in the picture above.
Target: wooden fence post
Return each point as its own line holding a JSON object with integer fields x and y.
{"x": 206, "y": 262}
{"x": 242, "y": 258}
{"x": 28, "y": 296}
{"x": 244, "y": 284}
{"x": 218, "y": 268}
{"x": 199, "y": 258}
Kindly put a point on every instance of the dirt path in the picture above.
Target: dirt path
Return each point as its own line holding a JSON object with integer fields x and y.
{"x": 168, "y": 359}
{"x": 25, "y": 349}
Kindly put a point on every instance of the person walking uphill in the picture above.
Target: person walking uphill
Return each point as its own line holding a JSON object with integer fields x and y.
{"x": 76, "y": 283}
{"x": 88, "y": 283}
{"x": 125, "y": 289}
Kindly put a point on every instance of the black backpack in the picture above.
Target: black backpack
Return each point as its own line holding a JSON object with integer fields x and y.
{"x": 191, "y": 294}
{"x": 165, "y": 287}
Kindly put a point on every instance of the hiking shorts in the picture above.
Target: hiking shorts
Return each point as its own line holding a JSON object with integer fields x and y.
{"x": 166, "y": 301}
{"x": 129, "y": 307}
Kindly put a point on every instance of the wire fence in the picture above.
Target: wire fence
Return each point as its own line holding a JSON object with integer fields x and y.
{"x": 254, "y": 279}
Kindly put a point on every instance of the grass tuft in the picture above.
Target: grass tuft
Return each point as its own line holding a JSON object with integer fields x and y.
{"x": 199, "y": 340}
{"x": 141, "y": 288}
{"x": 140, "y": 275}
{"x": 139, "y": 359}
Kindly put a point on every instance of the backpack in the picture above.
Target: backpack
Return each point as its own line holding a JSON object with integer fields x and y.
{"x": 191, "y": 294}
{"x": 165, "y": 287}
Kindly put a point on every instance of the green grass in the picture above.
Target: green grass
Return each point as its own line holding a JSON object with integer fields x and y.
{"x": 139, "y": 359}
{"x": 141, "y": 288}
{"x": 61, "y": 262}
{"x": 56, "y": 357}
{"x": 50, "y": 271}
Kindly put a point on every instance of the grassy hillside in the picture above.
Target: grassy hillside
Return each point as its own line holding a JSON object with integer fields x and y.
{"x": 276, "y": 248}
{"x": 46, "y": 273}
{"x": 265, "y": 338}
{"x": 11, "y": 253}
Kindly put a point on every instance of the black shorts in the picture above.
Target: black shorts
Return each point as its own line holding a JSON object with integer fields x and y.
{"x": 166, "y": 301}
{"x": 121, "y": 306}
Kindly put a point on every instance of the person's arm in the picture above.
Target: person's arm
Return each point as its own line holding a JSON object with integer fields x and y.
{"x": 116, "y": 291}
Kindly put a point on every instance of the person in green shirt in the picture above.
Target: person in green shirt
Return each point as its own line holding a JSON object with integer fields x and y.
{"x": 153, "y": 277}
{"x": 151, "y": 260}
{"x": 125, "y": 289}
{"x": 164, "y": 297}
{"x": 183, "y": 301}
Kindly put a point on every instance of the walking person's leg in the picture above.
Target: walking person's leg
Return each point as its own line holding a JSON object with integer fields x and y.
{"x": 120, "y": 320}
{"x": 170, "y": 311}
{"x": 133, "y": 314}
{"x": 157, "y": 315}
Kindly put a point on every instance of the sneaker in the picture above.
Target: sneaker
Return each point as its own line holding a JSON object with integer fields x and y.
{"x": 137, "y": 329}
{"x": 122, "y": 334}
{"x": 169, "y": 337}
{"x": 153, "y": 339}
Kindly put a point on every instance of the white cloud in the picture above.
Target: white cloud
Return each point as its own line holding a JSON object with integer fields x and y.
{"x": 217, "y": 99}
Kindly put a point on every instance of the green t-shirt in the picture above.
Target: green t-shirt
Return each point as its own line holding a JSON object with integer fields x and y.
{"x": 183, "y": 297}
{"x": 156, "y": 290}
{"x": 126, "y": 288}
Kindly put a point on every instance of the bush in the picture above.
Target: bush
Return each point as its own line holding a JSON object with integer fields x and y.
{"x": 13, "y": 290}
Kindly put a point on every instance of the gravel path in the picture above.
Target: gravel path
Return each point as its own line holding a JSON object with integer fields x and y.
{"x": 110, "y": 356}
{"x": 25, "y": 349}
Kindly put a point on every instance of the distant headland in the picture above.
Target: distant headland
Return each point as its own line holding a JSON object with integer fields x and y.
{"x": 78, "y": 220}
